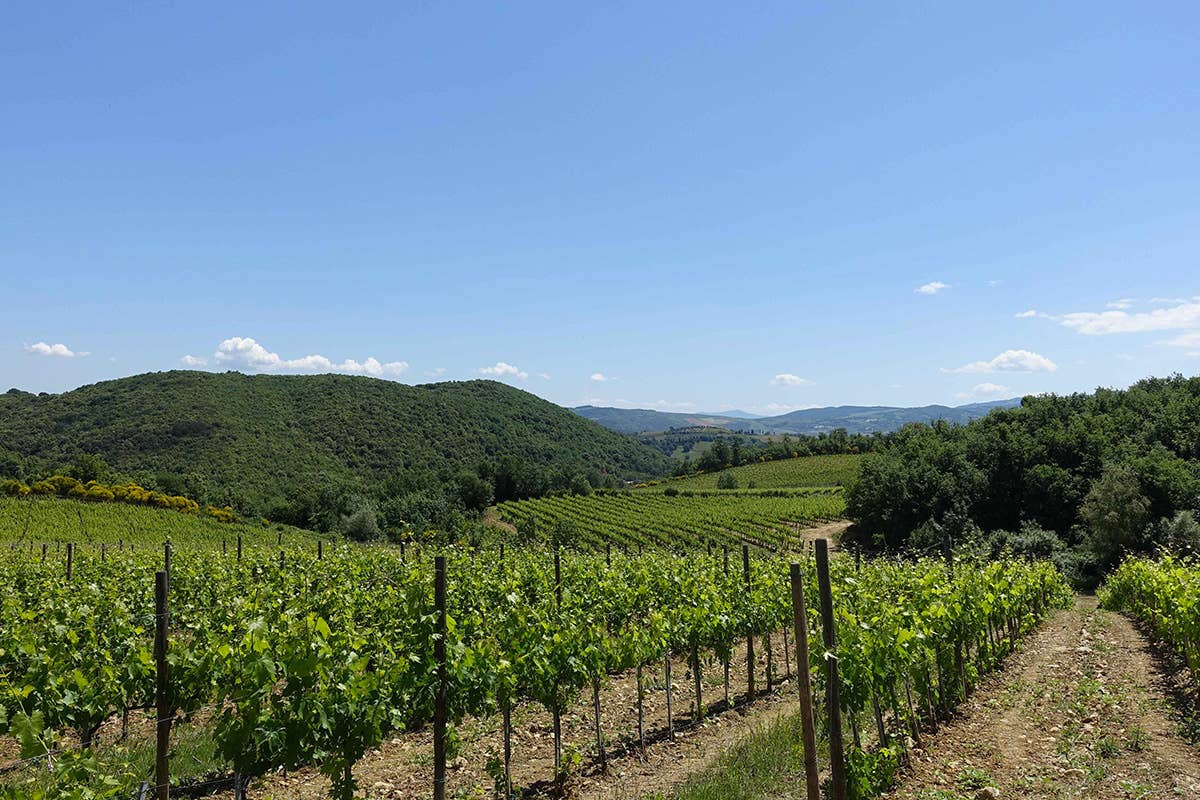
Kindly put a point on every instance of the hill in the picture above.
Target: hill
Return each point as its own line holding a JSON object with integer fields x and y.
{"x": 642, "y": 420}
{"x": 788, "y": 473}
{"x": 808, "y": 421}
{"x": 40, "y": 520}
{"x": 253, "y": 438}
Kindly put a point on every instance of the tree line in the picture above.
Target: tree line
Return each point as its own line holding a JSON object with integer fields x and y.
{"x": 1081, "y": 478}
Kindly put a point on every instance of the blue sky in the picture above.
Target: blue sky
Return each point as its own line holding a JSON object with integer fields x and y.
{"x": 683, "y": 206}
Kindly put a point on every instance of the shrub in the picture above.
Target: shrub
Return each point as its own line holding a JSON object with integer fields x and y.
{"x": 727, "y": 480}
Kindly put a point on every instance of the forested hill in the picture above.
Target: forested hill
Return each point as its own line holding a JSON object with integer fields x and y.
{"x": 256, "y": 437}
{"x": 1102, "y": 473}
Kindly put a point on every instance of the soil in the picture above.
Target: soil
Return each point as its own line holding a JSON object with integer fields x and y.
{"x": 1080, "y": 711}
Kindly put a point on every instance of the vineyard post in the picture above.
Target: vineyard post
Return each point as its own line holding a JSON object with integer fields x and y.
{"x": 507, "y": 747}
{"x": 749, "y": 628}
{"x": 44, "y": 548}
{"x": 667, "y": 680}
{"x": 279, "y": 540}
{"x": 599, "y": 733}
{"x": 239, "y": 548}
{"x": 167, "y": 561}
{"x": 162, "y": 775}
{"x": 608, "y": 553}
{"x": 320, "y": 549}
{"x": 558, "y": 770}
{"x": 725, "y": 553}
{"x": 696, "y": 678}
{"x": 557, "y": 579}
{"x": 224, "y": 546}
{"x": 103, "y": 551}
{"x": 439, "y": 657}
{"x": 804, "y": 685}
{"x": 641, "y": 696}
{"x": 70, "y": 560}
{"x": 837, "y": 757}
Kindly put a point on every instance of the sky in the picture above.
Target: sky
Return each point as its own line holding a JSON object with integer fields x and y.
{"x": 683, "y": 206}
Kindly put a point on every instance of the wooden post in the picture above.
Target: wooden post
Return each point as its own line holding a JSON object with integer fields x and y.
{"x": 557, "y": 580}
{"x": 279, "y": 540}
{"x": 320, "y": 549}
{"x": 750, "y": 632}
{"x": 837, "y": 757}
{"x": 507, "y": 747}
{"x": 44, "y": 548}
{"x": 641, "y": 696}
{"x": 281, "y": 561}
{"x": 167, "y": 561}
{"x": 439, "y": 657}
{"x": 239, "y": 548}
{"x": 103, "y": 551}
{"x": 70, "y": 560}
{"x": 599, "y": 733}
{"x": 667, "y": 680}
{"x": 162, "y": 687}
{"x": 696, "y": 679}
{"x": 804, "y": 686}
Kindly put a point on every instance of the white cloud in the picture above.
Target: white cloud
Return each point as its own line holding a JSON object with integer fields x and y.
{"x": 1182, "y": 316}
{"x": 193, "y": 361}
{"x": 1010, "y": 361}
{"x": 1027, "y": 314}
{"x": 599, "y": 377}
{"x": 933, "y": 287}
{"x": 57, "y": 350}
{"x": 1123, "y": 303}
{"x": 788, "y": 379}
{"x": 995, "y": 283}
{"x": 245, "y": 352}
{"x": 504, "y": 370}
{"x": 983, "y": 391}
{"x": 1191, "y": 339}
{"x": 544, "y": 376}
{"x": 436, "y": 372}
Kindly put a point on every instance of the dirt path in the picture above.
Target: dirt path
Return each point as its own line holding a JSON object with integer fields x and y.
{"x": 1077, "y": 713}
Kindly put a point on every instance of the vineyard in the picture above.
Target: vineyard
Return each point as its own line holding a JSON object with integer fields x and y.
{"x": 677, "y": 522}
{"x": 56, "y": 520}
{"x": 1165, "y": 593}
{"x": 301, "y": 659}
{"x": 788, "y": 473}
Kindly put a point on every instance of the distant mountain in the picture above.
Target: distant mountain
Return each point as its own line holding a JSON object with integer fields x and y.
{"x": 811, "y": 421}
{"x": 639, "y": 420}
{"x": 735, "y": 414}
{"x": 259, "y": 436}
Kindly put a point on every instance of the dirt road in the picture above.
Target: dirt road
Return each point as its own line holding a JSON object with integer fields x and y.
{"x": 1080, "y": 712}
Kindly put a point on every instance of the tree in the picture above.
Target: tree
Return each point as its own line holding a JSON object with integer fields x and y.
{"x": 727, "y": 480}
{"x": 1116, "y": 512}
{"x": 361, "y": 524}
{"x": 88, "y": 467}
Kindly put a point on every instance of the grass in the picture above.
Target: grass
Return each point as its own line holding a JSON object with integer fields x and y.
{"x": 54, "y": 519}
{"x": 789, "y": 473}
{"x": 768, "y": 762}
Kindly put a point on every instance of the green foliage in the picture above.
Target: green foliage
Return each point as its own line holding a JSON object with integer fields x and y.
{"x": 315, "y": 662}
{"x": 727, "y": 480}
{"x": 1049, "y": 462}
{"x": 259, "y": 439}
{"x": 660, "y": 520}
{"x": 1116, "y": 513}
{"x": 51, "y": 519}
{"x": 790, "y": 473}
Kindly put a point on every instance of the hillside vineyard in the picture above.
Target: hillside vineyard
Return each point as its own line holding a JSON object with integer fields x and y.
{"x": 305, "y": 657}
